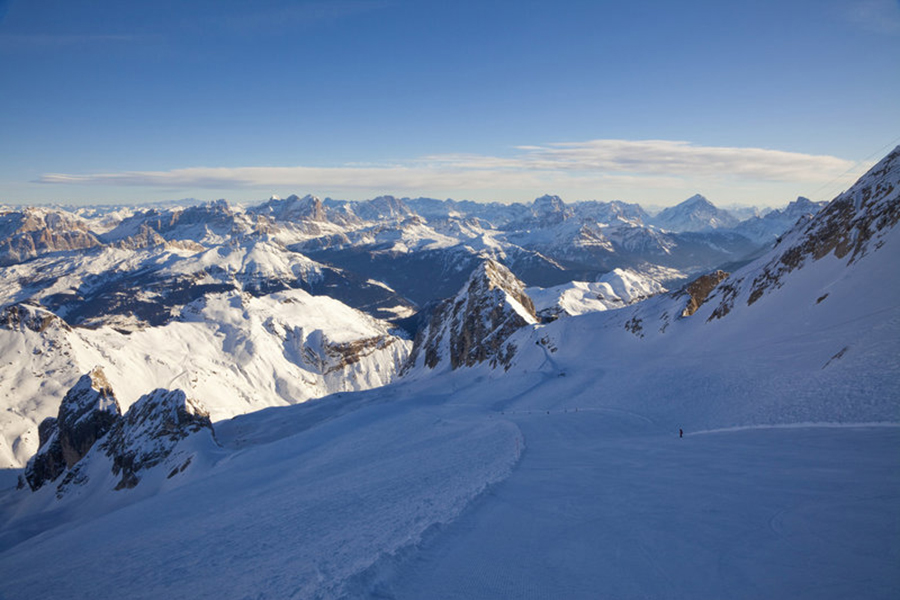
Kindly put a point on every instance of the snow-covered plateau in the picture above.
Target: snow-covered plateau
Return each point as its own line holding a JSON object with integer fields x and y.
{"x": 599, "y": 437}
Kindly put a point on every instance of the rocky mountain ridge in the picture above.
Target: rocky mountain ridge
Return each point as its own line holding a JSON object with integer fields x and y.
{"x": 474, "y": 326}
{"x": 90, "y": 435}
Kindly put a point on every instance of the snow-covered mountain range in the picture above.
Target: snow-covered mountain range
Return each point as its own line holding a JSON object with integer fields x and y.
{"x": 511, "y": 438}
{"x": 267, "y": 288}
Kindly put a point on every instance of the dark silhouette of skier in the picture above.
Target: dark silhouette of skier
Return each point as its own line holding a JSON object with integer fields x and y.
{"x": 681, "y": 433}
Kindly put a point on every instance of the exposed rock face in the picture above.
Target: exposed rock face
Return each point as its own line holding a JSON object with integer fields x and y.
{"x": 33, "y": 231}
{"x": 86, "y": 414}
{"x": 145, "y": 237}
{"x": 845, "y": 227}
{"x": 293, "y": 209}
{"x": 699, "y": 289}
{"x": 149, "y": 432}
{"x": 382, "y": 207}
{"x": 90, "y": 428}
{"x": 26, "y": 316}
{"x": 474, "y": 326}
{"x": 47, "y": 464}
{"x": 850, "y": 227}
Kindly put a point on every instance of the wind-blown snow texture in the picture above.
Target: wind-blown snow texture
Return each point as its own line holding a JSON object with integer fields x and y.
{"x": 559, "y": 473}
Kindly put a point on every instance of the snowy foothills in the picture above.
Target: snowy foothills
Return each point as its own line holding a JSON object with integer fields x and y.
{"x": 417, "y": 398}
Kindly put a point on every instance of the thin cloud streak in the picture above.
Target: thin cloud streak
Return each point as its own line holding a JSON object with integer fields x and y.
{"x": 649, "y": 163}
{"x": 660, "y": 157}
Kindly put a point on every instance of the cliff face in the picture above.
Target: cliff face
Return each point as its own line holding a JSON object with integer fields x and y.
{"x": 87, "y": 412}
{"x": 149, "y": 432}
{"x": 33, "y": 231}
{"x": 698, "y": 290}
{"x": 474, "y": 326}
{"x": 90, "y": 429}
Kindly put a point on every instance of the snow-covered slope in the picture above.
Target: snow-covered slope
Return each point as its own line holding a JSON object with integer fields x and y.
{"x": 694, "y": 214}
{"x": 234, "y": 352}
{"x": 618, "y": 288}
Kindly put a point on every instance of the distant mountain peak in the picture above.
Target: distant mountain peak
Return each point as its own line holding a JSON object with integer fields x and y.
{"x": 697, "y": 199}
{"x": 694, "y": 214}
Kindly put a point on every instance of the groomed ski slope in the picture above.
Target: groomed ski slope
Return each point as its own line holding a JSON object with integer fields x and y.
{"x": 605, "y": 505}
{"x": 474, "y": 492}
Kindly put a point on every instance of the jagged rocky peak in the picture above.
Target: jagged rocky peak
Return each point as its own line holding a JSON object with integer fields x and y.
{"x": 699, "y": 290}
{"x": 18, "y": 317}
{"x": 90, "y": 429}
{"x": 549, "y": 210}
{"x": 87, "y": 412}
{"x": 383, "y": 207}
{"x": 803, "y": 205}
{"x": 475, "y": 325}
{"x": 149, "y": 432}
{"x": 294, "y": 208}
{"x": 548, "y": 204}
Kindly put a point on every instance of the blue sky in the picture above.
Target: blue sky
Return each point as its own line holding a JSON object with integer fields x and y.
{"x": 745, "y": 102}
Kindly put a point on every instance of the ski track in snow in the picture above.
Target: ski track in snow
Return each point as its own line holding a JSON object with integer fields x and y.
{"x": 595, "y": 511}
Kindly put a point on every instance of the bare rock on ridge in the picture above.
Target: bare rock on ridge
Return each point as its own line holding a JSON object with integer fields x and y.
{"x": 474, "y": 326}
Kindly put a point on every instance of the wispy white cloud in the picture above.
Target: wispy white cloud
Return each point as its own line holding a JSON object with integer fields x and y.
{"x": 659, "y": 157}
{"x": 594, "y": 164}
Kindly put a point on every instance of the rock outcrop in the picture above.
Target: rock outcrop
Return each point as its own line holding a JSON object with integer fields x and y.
{"x": 19, "y": 317}
{"x": 149, "y": 432}
{"x": 474, "y": 326}
{"x": 850, "y": 227}
{"x": 87, "y": 412}
{"x": 34, "y": 231}
{"x": 90, "y": 429}
{"x": 699, "y": 290}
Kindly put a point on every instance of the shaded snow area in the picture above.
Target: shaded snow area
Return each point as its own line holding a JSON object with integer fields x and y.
{"x": 601, "y": 508}
{"x": 526, "y": 486}
{"x": 306, "y": 515}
